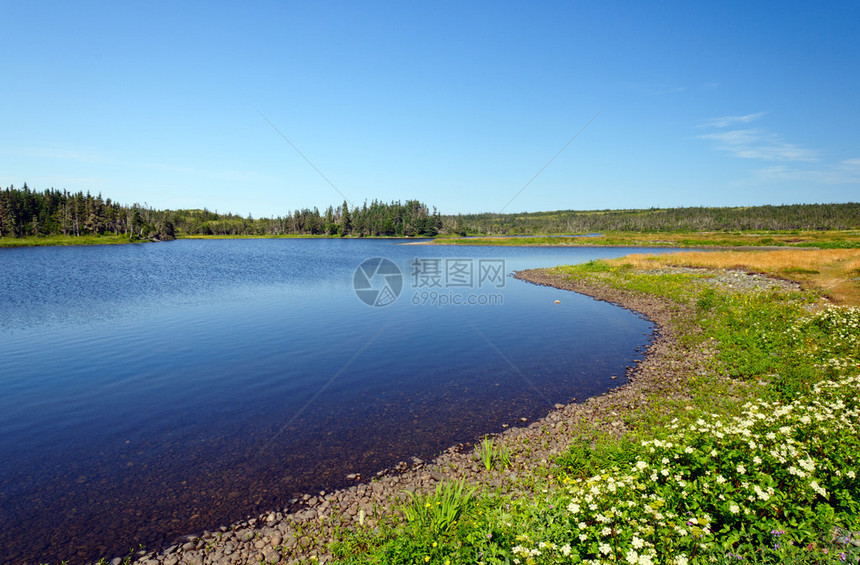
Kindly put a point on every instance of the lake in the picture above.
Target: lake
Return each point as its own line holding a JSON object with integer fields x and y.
{"x": 153, "y": 390}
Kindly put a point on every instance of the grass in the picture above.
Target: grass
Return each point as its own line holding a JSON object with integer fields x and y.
{"x": 585, "y": 459}
{"x": 53, "y": 240}
{"x": 832, "y": 272}
{"x": 485, "y": 454}
{"x": 492, "y": 455}
{"x": 437, "y": 513}
{"x": 757, "y": 464}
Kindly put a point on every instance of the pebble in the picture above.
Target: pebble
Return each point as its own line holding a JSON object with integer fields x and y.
{"x": 737, "y": 281}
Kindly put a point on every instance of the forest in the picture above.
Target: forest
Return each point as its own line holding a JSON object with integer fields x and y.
{"x": 25, "y": 212}
{"x": 30, "y": 213}
{"x": 688, "y": 219}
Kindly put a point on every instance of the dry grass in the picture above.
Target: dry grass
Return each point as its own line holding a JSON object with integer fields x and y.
{"x": 749, "y": 238}
{"x": 833, "y": 272}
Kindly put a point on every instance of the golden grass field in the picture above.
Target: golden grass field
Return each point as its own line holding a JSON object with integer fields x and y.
{"x": 835, "y": 273}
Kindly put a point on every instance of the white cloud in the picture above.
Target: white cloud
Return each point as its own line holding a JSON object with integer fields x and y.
{"x": 783, "y": 173}
{"x": 755, "y": 143}
{"x": 726, "y": 121}
{"x": 760, "y": 144}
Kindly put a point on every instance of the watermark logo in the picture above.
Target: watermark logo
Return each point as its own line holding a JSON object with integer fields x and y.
{"x": 449, "y": 273}
{"x": 436, "y": 281}
{"x": 377, "y": 281}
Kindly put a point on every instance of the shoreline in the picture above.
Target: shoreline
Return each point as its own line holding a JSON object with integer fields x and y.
{"x": 88, "y": 241}
{"x": 612, "y": 245}
{"x": 300, "y": 531}
{"x": 729, "y": 241}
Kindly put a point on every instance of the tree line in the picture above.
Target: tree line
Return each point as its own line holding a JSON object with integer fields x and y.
{"x": 689, "y": 219}
{"x": 25, "y": 212}
{"x": 377, "y": 219}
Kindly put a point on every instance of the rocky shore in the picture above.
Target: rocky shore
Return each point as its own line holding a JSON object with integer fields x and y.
{"x": 299, "y": 534}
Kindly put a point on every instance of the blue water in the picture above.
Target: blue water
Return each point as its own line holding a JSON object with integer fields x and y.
{"x": 152, "y": 390}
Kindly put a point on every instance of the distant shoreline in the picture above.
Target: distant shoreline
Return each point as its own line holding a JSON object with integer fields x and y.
{"x": 71, "y": 240}
{"x": 750, "y": 240}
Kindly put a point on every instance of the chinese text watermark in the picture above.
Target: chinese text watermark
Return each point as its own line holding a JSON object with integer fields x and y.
{"x": 437, "y": 281}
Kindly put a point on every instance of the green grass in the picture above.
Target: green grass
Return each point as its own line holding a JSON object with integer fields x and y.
{"x": 762, "y": 472}
{"x": 492, "y": 455}
{"x": 588, "y": 458}
{"x": 438, "y": 512}
{"x": 53, "y": 240}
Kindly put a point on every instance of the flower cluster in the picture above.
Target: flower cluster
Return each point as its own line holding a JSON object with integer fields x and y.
{"x": 838, "y": 350}
{"x": 772, "y": 465}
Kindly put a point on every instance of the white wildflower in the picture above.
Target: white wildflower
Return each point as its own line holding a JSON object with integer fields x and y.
{"x": 565, "y": 549}
{"x": 814, "y": 486}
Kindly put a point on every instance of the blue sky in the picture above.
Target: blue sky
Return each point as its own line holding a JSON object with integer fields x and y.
{"x": 458, "y": 104}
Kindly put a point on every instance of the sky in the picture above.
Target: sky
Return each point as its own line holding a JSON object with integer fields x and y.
{"x": 262, "y": 108}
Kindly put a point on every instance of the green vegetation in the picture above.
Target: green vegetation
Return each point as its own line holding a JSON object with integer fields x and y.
{"x": 26, "y": 213}
{"x": 377, "y": 219}
{"x": 88, "y": 239}
{"x": 437, "y": 512}
{"x": 492, "y": 455}
{"x": 693, "y": 219}
{"x": 766, "y": 474}
{"x": 29, "y": 213}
